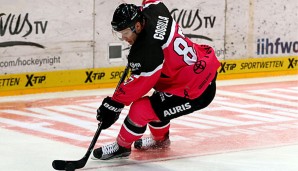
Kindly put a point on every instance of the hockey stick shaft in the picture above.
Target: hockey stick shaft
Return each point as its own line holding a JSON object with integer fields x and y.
{"x": 72, "y": 165}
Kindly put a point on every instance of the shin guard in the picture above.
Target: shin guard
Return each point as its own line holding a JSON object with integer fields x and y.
{"x": 129, "y": 133}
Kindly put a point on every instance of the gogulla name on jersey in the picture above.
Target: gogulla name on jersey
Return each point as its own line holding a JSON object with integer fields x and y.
{"x": 161, "y": 27}
{"x": 176, "y": 109}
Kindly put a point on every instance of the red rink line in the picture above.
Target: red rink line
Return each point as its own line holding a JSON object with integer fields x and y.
{"x": 241, "y": 117}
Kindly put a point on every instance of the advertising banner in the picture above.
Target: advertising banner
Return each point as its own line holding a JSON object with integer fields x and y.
{"x": 45, "y": 35}
{"x": 261, "y": 29}
{"x": 59, "y": 80}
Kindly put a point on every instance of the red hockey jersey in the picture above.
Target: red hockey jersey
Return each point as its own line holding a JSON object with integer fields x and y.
{"x": 164, "y": 59}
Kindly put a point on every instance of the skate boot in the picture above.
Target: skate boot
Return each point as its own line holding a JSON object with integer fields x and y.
{"x": 149, "y": 143}
{"x": 110, "y": 151}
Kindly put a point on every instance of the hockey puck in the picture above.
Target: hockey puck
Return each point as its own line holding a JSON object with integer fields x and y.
{"x": 70, "y": 167}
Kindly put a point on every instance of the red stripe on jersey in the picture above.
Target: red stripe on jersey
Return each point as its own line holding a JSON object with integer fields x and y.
{"x": 148, "y": 2}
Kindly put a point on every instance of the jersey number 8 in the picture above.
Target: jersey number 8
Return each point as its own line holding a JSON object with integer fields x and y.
{"x": 181, "y": 48}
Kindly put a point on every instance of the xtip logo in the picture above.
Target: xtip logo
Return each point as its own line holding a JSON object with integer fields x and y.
{"x": 227, "y": 67}
{"x": 92, "y": 76}
{"x": 33, "y": 80}
{"x": 292, "y": 63}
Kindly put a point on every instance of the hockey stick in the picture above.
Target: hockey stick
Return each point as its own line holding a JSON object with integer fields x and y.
{"x": 77, "y": 164}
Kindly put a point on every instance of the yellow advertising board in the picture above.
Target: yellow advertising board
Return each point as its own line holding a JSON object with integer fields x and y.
{"x": 59, "y": 80}
{"x": 254, "y": 67}
{"x": 15, "y": 84}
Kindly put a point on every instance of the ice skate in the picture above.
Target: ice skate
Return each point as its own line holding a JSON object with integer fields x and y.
{"x": 110, "y": 151}
{"x": 149, "y": 143}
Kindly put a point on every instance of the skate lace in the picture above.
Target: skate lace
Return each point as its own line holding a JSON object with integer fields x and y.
{"x": 109, "y": 149}
{"x": 148, "y": 142}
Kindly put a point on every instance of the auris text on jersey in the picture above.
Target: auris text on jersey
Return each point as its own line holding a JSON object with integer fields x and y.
{"x": 176, "y": 109}
{"x": 161, "y": 27}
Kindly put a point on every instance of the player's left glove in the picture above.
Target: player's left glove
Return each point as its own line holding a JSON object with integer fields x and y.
{"x": 108, "y": 113}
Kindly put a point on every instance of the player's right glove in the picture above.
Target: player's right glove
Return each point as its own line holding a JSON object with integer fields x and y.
{"x": 108, "y": 113}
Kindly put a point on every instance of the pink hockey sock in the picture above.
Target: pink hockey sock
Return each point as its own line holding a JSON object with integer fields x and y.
{"x": 159, "y": 129}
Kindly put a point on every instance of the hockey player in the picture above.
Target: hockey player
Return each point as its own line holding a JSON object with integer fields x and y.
{"x": 181, "y": 72}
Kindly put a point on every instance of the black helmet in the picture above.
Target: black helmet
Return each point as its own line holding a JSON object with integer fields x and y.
{"x": 125, "y": 15}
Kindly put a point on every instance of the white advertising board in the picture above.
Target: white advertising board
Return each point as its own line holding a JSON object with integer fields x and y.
{"x": 68, "y": 35}
{"x": 45, "y": 35}
{"x": 275, "y": 28}
{"x": 261, "y": 29}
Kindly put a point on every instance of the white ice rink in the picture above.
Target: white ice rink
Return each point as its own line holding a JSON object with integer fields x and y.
{"x": 28, "y": 141}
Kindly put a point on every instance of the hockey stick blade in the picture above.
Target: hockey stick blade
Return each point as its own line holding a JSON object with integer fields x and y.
{"x": 59, "y": 164}
{"x": 68, "y": 165}
{"x": 77, "y": 164}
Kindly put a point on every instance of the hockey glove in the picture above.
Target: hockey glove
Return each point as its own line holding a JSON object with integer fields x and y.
{"x": 108, "y": 113}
